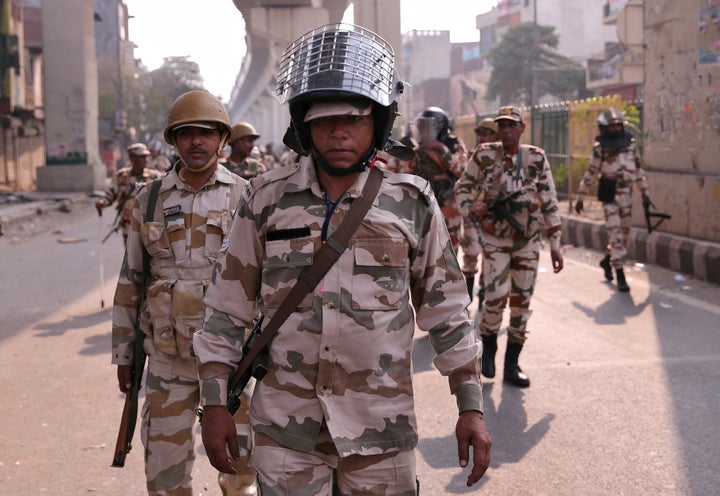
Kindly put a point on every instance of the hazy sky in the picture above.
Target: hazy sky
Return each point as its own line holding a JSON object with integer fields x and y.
{"x": 212, "y": 32}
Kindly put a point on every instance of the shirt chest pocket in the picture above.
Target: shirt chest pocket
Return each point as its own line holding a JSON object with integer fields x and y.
{"x": 285, "y": 260}
{"x": 379, "y": 279}
{"x": 218, "y": 226}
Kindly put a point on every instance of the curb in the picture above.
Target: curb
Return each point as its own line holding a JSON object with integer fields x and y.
{"x": 36, "y": 206}
{"x": 701, "y": 259}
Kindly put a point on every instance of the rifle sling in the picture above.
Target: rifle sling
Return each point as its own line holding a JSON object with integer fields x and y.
{"x": 325, "y": 257}
{"x": 138, "y": 349}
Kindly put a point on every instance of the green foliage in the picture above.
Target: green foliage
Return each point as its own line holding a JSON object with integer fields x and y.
{"x": 529, "y": 49}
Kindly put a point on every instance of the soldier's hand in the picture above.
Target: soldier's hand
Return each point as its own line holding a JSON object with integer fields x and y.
{"x": 124, "y": 375}
{"x": 470, "y": 430}
{"x": 218, "y": 434}
{"x": 557, "y": 260}
{"x": 480, "y": 209}
{"x": 579, "y": 205}
{"x": 99, "y": 205}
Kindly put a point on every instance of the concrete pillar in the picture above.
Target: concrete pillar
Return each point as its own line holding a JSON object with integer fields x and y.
{"x": 383, "y": 18}
{"x": 71, "y": 98}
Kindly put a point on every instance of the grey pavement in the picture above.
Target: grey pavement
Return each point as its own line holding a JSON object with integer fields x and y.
{"x": 700, "y": 259}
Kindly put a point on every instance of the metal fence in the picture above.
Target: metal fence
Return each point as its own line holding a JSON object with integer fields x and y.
{"x": 566, "y": 131}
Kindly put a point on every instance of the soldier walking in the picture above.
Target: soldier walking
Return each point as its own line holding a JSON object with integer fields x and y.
{"x": 616, "y": 163}
{"x": 242, "y": 142}
{"x": 182, "y": 236}
{"x": 124, "y": 185}
{"x": 516, "y": 181}
{"x": 336, "y": 407}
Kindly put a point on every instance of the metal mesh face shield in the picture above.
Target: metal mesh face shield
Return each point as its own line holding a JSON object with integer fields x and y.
{"x": 338, "y": 59}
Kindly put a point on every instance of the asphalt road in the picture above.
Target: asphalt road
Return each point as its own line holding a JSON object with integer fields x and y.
{"x": 623, "y": 397}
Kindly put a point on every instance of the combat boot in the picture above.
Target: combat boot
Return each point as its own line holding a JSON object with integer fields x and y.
{"x": 470, "y": 281}
{"x": 605, "y": 264}
{"x": 487, "y": 362}
{"x": 621, "y": 283}
{"x": 513, "y": 373}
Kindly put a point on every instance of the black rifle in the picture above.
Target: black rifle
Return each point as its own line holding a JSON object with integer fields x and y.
{"x": 118, "y": 221}
{"x": 258, "y": 370}
{"x": 647, "y": 205}
{"x": 123, "y": 445}
{"x": 499, "y": 208}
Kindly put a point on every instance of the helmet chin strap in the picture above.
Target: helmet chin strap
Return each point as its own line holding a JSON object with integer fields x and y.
{"x": 213, "y": 158}
{"x": 367, "y": 161}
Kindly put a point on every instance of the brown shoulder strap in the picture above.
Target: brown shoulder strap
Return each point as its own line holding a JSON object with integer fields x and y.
{"x": 325, "y": 257}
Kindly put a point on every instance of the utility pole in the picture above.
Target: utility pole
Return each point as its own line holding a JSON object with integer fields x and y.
{"x": 534, "y": 96}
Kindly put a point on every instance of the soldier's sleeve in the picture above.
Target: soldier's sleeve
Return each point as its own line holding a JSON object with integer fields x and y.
{"x": 549, "y": 204}
{"x": 127, "y": 293}
{"x": 458, "y": 159}
{"x": 592, "y": 171}
{"x": 466, "y": 187}
{"x": 440, "y": 299}
{"x": 229, "y": 305}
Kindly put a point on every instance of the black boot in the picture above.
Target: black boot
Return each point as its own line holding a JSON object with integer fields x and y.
{"x": 605, "y": 264}
{"x": 513, "y": 373}
{"x": 621, "y": 283}
{"x": 470, "y": 281}
{"x": 488, "y": 355}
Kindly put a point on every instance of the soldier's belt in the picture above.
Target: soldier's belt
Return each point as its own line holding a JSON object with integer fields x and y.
{"x": 182, "y": 273}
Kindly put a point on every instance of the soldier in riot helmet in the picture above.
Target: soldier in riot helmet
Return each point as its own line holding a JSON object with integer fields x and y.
{"x": 335, "y": 412}
{"x": 440, "y": 159}
{"x": 516, "y": 181}
{"x": 182, "y": 238}
{"x": 615, "y": 161}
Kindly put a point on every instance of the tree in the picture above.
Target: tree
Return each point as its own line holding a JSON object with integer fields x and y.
{"x": 529, "y": 49}
{"x": 156, "y": 91}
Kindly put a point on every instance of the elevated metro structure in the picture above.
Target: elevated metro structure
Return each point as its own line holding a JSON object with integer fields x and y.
{"x": 270, "y": 26}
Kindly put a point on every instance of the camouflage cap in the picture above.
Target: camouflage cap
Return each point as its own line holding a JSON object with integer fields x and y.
{"x": 510, "y": 113}
{"x": 328, "y": 109}
{"x": 138, "y": 149}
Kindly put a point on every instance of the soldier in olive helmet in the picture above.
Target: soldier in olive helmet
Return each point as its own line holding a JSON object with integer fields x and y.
{"x": 335, "y": 412}
{"x": 242, "y": 142}
{"x": 616, "y": 162}
{"x": 182, "y": 236}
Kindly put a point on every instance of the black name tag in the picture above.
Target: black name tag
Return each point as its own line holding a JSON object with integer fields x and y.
{"x": 294, "y": 233}
{"x": 176, "y": 209}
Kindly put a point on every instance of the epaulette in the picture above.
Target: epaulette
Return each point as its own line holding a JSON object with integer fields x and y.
{"x": 415, "y": 182}
{"x": 533, "y": 149}
{"x": 258, "y": 182}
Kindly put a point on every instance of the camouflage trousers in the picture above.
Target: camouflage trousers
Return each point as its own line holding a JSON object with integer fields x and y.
{"x": 470, "y": 244}
{"x": 286, "y": 472}
{"x": 453, "y": 221}
{"x": 509, "y": 273}
{"x": 172, "y": 394}
{"x": 617, "y": 223}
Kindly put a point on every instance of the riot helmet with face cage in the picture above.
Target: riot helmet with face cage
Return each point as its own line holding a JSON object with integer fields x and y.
{"x": 338, "y": 62}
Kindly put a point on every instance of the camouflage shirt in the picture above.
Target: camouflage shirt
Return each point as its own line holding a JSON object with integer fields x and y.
{"x": 493, "y": 172}
{"x": 441, "y": 170}
{"x": 247, "y": 169}
{"x": 343, "y": 357}
{"x": 623, "y": 165}
{"x": 183, "y": 240}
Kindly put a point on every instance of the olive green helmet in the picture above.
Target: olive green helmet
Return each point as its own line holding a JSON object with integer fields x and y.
{"x": 197, "y": 107}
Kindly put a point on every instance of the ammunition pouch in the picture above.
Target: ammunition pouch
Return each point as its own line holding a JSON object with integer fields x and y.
{"x": 606, "y": 189}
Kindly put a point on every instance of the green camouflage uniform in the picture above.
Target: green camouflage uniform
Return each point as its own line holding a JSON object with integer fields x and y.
{"x": 122, "y": 191}
{"x": 340, "y": 378}
{"x": 247, "y": 169}
{"x": 442, "y": 178}
{"x": 624, "y": 166}
{"x": 183, "y": 239}
{"x": 507, "y": 255}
